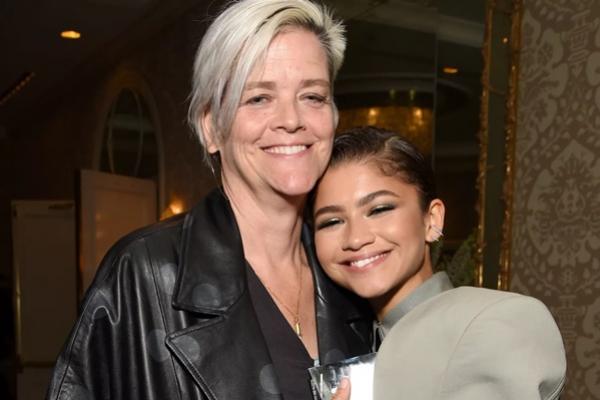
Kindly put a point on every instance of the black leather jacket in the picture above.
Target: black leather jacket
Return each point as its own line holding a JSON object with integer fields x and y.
{"x": 169, "y": 316}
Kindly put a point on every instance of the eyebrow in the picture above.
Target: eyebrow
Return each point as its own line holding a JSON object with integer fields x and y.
{"x": 372, "y": 196}
{"x": 360, "y": 203}
{"x": 271, "y": 85}
{"x": 327, "y": 209}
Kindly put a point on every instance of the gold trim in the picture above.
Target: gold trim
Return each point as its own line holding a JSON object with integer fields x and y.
{"x": 483, "y": 143}
{"x": 510, "y": 149}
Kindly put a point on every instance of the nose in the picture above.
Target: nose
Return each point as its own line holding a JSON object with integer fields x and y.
{"x": 357, "y": 234}
{"x": 288, "y": 117}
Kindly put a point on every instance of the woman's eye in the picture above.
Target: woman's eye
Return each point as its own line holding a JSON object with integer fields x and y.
{"x": 316, "y": 98}
{"x": 255, "y": 100}
{"x": 328, "y": 223}
{"x": 381, "y": 209}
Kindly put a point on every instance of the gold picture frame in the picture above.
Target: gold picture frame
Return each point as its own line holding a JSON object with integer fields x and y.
{"x": 495, "y": 181}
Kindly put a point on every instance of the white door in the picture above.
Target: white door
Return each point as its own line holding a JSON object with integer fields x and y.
{"x": 45, "y": 290}
{"x": 110, "y": 206}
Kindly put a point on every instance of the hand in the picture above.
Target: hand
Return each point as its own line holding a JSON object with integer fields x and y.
{"x": 343, "y": 390}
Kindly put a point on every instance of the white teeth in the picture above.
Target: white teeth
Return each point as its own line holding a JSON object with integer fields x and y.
{"x": 365, "y": 261}
{"x": 286, "y": 149}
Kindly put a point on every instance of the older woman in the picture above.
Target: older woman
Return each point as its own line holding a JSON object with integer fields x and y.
{"x": 225, "y": 301}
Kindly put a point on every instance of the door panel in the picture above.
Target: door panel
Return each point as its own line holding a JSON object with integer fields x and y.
{"x": 45, "y": 290}
{"x": 110, "y": 206}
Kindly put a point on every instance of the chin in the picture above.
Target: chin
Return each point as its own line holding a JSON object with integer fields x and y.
{"x": 297, "y": 187}
{"x": 369, "y": 293}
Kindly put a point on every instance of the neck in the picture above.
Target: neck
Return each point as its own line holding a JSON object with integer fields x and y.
{"x": 270, "y": 226}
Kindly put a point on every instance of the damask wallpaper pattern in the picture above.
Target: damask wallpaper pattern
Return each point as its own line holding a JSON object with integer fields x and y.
{"x": 556, "y": 211}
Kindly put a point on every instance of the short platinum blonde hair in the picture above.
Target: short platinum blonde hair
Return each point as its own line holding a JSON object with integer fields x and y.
{"x": 236, "y": 40}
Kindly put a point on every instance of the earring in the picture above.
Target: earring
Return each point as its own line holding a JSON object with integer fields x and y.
{"x": 438, "y": 231}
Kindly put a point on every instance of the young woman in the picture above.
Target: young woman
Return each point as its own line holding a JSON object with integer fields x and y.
{"x": 375, "y": 216}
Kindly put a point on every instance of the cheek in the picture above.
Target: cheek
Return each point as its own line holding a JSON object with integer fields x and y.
{"x": 405, "y": 233}
{"x": 247, "y": 124}
{"x": 323, "y": 124}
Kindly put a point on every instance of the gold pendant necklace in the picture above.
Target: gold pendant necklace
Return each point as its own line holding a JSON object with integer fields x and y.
{"x": 295, "y": 315}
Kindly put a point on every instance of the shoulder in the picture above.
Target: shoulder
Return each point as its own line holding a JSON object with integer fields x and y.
{"x": 125, "y": 300}
{"x": 494, "y": 321}
{"x": 469, "y": 343}
{"x": 168, "y": 230}
{"x": 163, "y": 234}
{"x": 133, "y": 257}
{"x": 467, "y": 303}
{"x": 513, "y": 309}
{"x": 511, "y": 342}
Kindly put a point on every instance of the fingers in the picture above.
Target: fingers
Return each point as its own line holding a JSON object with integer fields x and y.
{"x": 343, "y": 390}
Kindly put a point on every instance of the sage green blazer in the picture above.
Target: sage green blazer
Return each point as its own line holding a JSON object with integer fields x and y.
{"x": 472, "y": 344}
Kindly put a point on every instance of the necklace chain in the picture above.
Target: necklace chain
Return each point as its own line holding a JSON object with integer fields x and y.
{"x": 295, "y": 315}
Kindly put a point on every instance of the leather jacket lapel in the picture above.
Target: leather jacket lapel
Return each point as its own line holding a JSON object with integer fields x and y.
{"x": 227, "y": 356}
{"x": 211, "y": 276}
{"x": 226, "y": 344}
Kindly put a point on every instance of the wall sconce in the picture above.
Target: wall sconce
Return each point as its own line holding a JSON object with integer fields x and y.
{"x": 175, "y": 207}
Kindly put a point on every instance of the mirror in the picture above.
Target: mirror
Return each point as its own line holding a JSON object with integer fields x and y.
{"x": 129, "y": 144}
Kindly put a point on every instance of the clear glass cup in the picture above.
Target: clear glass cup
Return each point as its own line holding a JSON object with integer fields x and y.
{"x": 359, "y": 370}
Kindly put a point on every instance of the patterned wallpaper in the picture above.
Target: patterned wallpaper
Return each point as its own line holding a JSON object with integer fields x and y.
{"x": 556, "y": 210}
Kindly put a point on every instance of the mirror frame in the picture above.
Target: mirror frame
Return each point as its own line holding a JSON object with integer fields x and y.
{"x": 497, "y": 140}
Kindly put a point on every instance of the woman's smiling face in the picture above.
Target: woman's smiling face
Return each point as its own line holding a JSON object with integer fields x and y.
{"x": 371, "y": 233}
{"x": 283, "y": 130}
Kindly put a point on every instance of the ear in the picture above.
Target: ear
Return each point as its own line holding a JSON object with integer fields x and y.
{"x": 210, "y": 141}
{"x": 434, "y": 220}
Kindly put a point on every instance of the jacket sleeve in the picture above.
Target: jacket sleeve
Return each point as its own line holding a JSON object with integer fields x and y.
{"x": 116, "y": 345}
{"x": 510, "y": 350}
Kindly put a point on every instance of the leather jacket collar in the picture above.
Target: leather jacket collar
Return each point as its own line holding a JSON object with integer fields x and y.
{"x": 212, "y": 258}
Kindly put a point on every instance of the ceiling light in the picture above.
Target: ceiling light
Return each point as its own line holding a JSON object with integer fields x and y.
{"x": 450, "y": 70}
{"x": 70, "y": 35}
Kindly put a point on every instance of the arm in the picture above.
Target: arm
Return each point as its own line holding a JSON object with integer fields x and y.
{"x": 510, "y": 350}
{"x": 116, "y": 343}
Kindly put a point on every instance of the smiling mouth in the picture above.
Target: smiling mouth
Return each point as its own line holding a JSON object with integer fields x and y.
{"x": 286, "y": 150}
{"x": 362, "y": 263}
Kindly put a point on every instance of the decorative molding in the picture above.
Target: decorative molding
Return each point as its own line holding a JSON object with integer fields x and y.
{"x": 501, "y": 45}
{"x": 510, "y": 137}
{"x": 483, "y": 144}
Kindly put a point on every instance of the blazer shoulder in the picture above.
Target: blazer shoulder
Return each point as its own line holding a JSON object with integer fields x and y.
{"x": 513, "y": 308}
{"x": 511, "y": 345}
{"x": 470, "y": 344}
